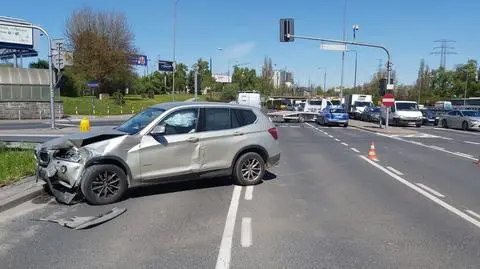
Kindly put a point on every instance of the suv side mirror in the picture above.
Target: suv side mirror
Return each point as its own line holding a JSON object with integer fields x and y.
{"x": 158, "y": 130}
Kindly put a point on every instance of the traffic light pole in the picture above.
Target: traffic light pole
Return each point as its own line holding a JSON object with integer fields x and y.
{"x": 389, "y": 61}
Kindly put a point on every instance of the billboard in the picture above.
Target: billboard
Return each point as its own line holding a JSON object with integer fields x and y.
{"x": 16, "y": 37}
{"x": 221, "y": 78}
{"x": 138, "y": 60}
{"x": 165, "y": 66}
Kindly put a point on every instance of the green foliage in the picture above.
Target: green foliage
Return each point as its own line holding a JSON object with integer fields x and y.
{"x": 118, "y": 97}
{"x": 15, "y": 164}
{"x": 40, "y": 64}
{"x": 245, "y": 77}
{"x": 229, "y": 92}
{"x": 151, "y": 94}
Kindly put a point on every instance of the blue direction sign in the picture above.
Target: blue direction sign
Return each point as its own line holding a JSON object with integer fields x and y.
{"x": 166, "y": 66}
{"x": 92, "y": 84}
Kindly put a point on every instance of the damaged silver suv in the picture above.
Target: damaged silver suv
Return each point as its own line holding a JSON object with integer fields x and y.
{"x": 163, "y": 143}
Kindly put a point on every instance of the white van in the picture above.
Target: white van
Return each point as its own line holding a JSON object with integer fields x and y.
{"x": 403, "y": 113}
{"x": 316, "y": 105}
{"x": 250, "y": 99}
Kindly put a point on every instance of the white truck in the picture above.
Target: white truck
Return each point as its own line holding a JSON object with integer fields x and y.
{"x": 403, "y": 113}
{"x": 356, "y": 103}
{"x": 311, "y": 110}
{"x": 250, "y": 99}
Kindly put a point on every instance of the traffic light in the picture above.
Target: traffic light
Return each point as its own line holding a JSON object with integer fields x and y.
{"x": 286, "y": 30}
{"x": 383, "y": 87}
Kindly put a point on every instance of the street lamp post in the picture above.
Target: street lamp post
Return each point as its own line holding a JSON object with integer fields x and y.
{"x": 50, "y": 73}
{"x": 174, "y": 45}
{"x": 343, "y": 52}
{"x": 465, "y": 93}
{"x": 355, "y": 27}
{"x": 324, "y": 78}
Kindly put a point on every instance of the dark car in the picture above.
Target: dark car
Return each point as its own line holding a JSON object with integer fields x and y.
{"x": 430, "y": 117}
{"x": 371, "y": 114}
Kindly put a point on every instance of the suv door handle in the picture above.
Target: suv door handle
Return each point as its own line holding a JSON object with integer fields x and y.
{"x": 192, "y": 139}
{"x": 237, "y": 133}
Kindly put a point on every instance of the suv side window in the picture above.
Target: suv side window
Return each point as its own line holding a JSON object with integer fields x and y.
{"x": 181, "y": 122}
{"x": 243, "y": 117}
{"x": 216, "y": 119}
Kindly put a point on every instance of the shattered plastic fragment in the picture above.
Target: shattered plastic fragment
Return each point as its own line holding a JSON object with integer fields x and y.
{"x": 78, "y": 223}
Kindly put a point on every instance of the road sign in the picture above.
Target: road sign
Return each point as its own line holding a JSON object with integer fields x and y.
{"x": 92, "y": 84}
{"x": 336, "y": 47}
{"x": 138, "y": 60}
{"x": 388, "y": 100}
{"x": 166, "y": 66}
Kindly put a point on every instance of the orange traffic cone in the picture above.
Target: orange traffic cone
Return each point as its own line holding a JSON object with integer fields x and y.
{"x": 372, "y": 155}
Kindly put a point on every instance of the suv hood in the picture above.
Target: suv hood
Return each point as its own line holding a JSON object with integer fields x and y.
{"x": 409, "y": 113}
{"x": 81, "y": 139}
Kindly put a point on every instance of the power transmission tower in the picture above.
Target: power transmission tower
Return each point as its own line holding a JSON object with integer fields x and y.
{"x": 443, "y": 50}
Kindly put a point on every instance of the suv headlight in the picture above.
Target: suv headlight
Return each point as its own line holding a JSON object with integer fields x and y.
{"x": 73, "y": 154}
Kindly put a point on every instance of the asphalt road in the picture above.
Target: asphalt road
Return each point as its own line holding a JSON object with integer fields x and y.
{"x": 324, "y": 206}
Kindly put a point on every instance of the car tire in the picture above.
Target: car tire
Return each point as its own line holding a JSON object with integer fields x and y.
{"x": 418, "y": 125}
{"x": 99, "y": 179}
{"x": 465, "y": 126}
{"x": 301, "y": 119}
{"x": 384, "y": 121}
{"x": 345, "y": 125}
{"x": 249, "y": 169}
{"x": 444, "y": 124}
{"x": 396, "y": 122}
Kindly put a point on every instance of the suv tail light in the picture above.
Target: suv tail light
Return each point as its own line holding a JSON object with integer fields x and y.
{"x": 273, "y": 132}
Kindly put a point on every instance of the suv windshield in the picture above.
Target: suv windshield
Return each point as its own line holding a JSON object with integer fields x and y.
{"x": 140, "y": 120}
{"x": 407, "y": 106}
{"x": 335, "y": 102}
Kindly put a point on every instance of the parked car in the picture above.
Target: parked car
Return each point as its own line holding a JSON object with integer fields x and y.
{"x": 329, "y": 116}
{"x": 371, "y": 114}
{"x": 163, "y": 143}
{"x": 461, "y": 119}
{"x": 430, "y": 117}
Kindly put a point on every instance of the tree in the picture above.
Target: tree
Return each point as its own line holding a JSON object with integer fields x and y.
{"x": 40, "y": 64}
{"x": 101, "y": 42}
{"x": 245, "y": 77}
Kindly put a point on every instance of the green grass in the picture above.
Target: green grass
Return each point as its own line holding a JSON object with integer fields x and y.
{"x": 15, "y": 164}
{"x": 107, "y": 106}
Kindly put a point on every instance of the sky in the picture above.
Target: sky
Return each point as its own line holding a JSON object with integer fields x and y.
{"x": 248, "y": 30}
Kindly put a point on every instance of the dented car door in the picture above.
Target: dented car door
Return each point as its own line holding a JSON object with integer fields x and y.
{"x": 174, "y": 152}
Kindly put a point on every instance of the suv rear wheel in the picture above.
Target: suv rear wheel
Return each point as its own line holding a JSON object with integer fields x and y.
{"x": 249, "y": 169}
{"x": 103, "y": 184}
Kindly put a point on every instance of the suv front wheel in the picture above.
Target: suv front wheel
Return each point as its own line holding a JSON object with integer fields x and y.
{"x": 249, "y": 169}
{"x": 103, "y": 184}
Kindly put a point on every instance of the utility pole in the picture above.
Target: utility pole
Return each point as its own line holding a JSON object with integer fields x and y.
{"x": 443, "y": 50}
{"x": 174, "y": 45}
{"x": 355, "y": 27}
{"x": 343, "y": 52}
{"x": 465, "y": 93}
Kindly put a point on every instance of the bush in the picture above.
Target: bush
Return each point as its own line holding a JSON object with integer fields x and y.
{"x": 144, "y": 95}
{"x": 151, "y": 94}
{"x": 118, "y": 97}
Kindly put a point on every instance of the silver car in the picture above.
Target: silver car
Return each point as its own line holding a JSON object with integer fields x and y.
{"x": 163, "y": 143}
{"x": 461, "y": 119}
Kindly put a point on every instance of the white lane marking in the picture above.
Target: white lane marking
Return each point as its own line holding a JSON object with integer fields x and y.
{"x": 470, "y": 142}
{"x": 472, "y": 213}
{"x": 336, "y": 139}
{"x": 225, "y": 252}
{"x": 246, "y": 236}
{"x": 356, "y": 150}
{"x": 435, "y": 147}
{"x": 395, "y": 171}
{"x": 67, "y": 124}
{"x": 464, "y": 155}
{"x": 33, "y": 135}
{"x": 331, "y": 136}
{"x": 432, "y": 191}
{"x": 345, "y": 144}
{"x": 248, "y": 193}
{"x": 433, "y": 198}
{"x": 457, "y": 131}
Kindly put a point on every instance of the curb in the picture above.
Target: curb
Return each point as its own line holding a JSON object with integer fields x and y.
{"x": 21, "y": 197}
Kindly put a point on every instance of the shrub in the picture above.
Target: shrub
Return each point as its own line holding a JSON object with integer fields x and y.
{"x": 118, "y": 97}
{"x": 151, "y": 94}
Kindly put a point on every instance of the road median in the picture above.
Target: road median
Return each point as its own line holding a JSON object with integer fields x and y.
{"x": 375, "y": 128}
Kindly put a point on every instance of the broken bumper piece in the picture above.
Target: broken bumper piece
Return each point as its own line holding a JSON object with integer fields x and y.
{"x": 62, "y": 194}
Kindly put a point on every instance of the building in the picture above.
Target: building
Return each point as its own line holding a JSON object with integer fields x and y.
{"x": 282, "y": 77}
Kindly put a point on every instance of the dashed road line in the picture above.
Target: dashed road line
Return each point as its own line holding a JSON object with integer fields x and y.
{"x": 426, "y": 194}
{"x": 249, "y": 193}
{"x": 246, "y": 236}
{"x": 395, "y": 171}
{"x": 345, "y": 144}
{"x": 356, "y": 150}
{"x": 473, "y": 143}
{"x": 336, "y": 139}
{"x": 432, "y": 191}
{"x": 331, "y": 136}
{"x": 225, "y": 252}
{"x": 475, "y": 214}
{"x": 436, "y": 147}
{"x": 463, "y": 154}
